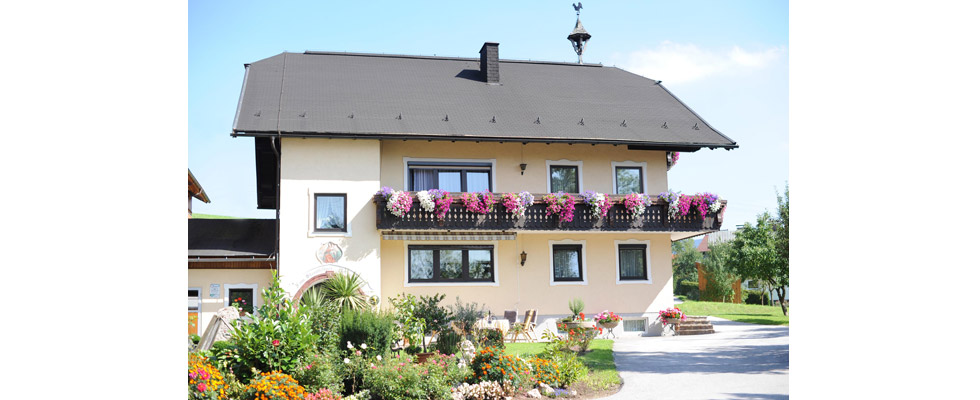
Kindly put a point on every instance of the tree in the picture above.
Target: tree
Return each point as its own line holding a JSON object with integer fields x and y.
{"x": 756, "y": 253}
{"x": 685, "y": 255}
{"x": 720, "y": 274}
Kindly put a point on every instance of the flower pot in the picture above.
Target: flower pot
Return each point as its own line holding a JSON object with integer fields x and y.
{"x": 609, "y": 325}
{"x": 421, "y": 358}
{"x": 241, "y": 313}
{"x": 673, "y": 320}
{"x": 580, "y": 324}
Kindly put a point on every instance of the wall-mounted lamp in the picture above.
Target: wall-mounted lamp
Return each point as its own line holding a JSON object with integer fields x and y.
{"x": 523, "y": 167}
{"x": 523, "y": 258}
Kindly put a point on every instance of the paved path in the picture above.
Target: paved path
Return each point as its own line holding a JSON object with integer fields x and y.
{"x": 738, "y": 361}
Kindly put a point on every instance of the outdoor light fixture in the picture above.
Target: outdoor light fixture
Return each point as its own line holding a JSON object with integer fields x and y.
{"x": 523, "y": 258}
{"x": 523, "y": 167}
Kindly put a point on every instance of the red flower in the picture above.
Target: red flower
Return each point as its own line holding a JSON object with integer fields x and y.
{"x": 275, "y": 342}
{"x": 202, "y": 387}
{"x": 581, "y": 316}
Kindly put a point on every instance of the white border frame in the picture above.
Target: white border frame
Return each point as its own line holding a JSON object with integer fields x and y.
{"x": 649, "y": 280}
{"x": 632, "y": 164}
{"x": 563, "y": 162}
{"x": 496, "y": 262}
{"x": 255, "y": 293}
{"x": 311, "y": 214}
{"x": 492, "y": 161}
{"x": 551, "y": 263}
{"x": 646, "y": 324}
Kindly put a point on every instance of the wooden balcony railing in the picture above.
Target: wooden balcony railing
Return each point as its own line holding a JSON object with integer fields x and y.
{"x": 654, "y": 219}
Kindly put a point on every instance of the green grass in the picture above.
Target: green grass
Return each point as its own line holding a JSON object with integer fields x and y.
{"x": 209, "y": 216}
{"x": 751, "y": 313}
{"x": 602, "y": 368}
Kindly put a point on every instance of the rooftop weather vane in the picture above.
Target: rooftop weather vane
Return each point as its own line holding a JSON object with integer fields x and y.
{"x": 579, "y": 36}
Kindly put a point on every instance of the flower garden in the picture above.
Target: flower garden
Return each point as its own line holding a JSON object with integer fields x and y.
{"x": 333, "y": 345}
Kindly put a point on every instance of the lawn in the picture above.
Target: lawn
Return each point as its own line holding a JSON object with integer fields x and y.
{"x": 751, "y": 313}
{"x": 603, "y": 379}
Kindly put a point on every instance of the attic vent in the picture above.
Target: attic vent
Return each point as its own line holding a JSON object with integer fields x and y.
{"x": 490, "y": 63}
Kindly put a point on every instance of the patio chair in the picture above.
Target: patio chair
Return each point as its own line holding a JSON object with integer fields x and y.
{"x": 510, "y": 316}
{"x": 526, "y": 328}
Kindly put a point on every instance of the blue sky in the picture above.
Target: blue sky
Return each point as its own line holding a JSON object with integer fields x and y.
{"x": 728, "y": 60}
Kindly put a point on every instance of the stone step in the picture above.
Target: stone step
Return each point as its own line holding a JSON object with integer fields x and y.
{"x": 696, "y": 332}
{"x": 694, "y": 325}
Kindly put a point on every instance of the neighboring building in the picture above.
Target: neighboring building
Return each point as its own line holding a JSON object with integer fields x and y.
{"x": 331, "y": 129}
{"x": 194, "y": 191}
{"x": 227, "y": 259}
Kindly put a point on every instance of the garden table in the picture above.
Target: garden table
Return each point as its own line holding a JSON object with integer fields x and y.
{"x": 501, "y": 325}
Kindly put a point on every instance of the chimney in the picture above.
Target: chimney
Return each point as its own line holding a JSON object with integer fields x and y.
{"x": 490, "y": 63}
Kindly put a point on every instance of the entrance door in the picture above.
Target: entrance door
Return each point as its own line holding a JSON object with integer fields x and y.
{"x": 193, "y": 311}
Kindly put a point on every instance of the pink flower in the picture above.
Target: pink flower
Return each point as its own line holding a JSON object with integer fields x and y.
{"x": 275, "y": 342}
{"x": 358, "y": 352}
{"x": 202, "y": 387}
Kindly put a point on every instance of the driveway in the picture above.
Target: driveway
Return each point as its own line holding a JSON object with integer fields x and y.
{"x": 738, "y": 361}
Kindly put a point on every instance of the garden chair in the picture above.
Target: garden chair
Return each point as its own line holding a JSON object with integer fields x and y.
{"x": 510, "y": 316}
{"x": 526, "y": 328}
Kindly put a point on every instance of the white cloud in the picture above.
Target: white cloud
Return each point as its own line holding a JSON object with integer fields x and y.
{"x": 680, "y": 63}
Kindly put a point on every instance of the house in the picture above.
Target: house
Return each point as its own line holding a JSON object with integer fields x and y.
{"x": 194, "y": 191}
{"x": 227, "y": 259}
{"x": 331, "y": 129}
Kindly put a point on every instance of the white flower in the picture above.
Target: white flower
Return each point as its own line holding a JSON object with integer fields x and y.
{"x": 346, "y": 360}
{"x": 378, "y": 357}
{"x": 716, "y": 206}
{"x": 425, "y": 199}
{"x": 363, "y": 346}
{"x": 349, "y": 346}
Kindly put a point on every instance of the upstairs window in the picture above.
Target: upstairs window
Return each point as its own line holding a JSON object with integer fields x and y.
{"x": 451, "y": 177}
{"x": 567, "y": 262}
{"x": 330, "y": 214}
{"x": 629, "y": 180}
{"x": 564, "y": 178}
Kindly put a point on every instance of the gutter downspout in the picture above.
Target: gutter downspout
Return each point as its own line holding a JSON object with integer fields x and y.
{"x": 278, "y": 153}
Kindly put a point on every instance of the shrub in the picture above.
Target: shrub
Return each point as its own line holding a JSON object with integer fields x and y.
{"x": 399, "y": 378}
{"x": 195, "y": 338}
{"x": 689, "y": 289}
{"x": 323, "y": 394}
{"x": 224, "y": 355}
{"x": 277, "y": 336}
{"x": 449, "y": 341}
{"x": 375, "y": 330}
{"x": 545, "y": 371}
{"x": 576, "y": 306}
{"x": 435, "y": 316}
{"x": 755, "y": 296}
{"x": 324, "y": 318}
{"x": 204, "y": 381}
{"x": 345, "y": 291}
{"x": 274, "y": 386}
{"x": 317, "y": 371}
{"x": 490, "y": 338}
{"x": 491, "y": 364}
{"x": 568, "y": 367}
{"x": 466, "y": 315}
{"x": 578, "y": 339}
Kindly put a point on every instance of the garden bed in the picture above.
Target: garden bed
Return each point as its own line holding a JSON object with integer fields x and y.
{"x": 603, "y": 378}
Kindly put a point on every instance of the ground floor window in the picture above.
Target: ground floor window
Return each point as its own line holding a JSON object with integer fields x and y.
{"x": 444, "y": 263}
{"x": 634, "y": 325}
{"x": 567, "y": 262}
{"x": 632, "y": 262}
{"x": 244, "y": 296}
{"x": 193, "y": 310}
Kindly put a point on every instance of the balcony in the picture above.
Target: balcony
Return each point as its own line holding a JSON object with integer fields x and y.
{"x": 654, "y": 219}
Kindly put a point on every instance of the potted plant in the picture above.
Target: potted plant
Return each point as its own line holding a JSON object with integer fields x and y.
{"x": 672, "y": 316}
{"x": 607, "y": 319}
{"x": 578, "y": 317}
{"x": 242, "y": 306}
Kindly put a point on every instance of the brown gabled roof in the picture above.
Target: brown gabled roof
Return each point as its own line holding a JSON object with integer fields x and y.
{"x": 194, "y": 188}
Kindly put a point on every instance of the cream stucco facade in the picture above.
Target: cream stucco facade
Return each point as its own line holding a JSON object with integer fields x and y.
{"x": 359, "y": 168}
{"x": 225, "y": 279}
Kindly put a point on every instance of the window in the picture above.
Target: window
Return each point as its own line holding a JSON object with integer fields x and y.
{"x": 564, "y": 178}
{"x": 246, "y": 294}
{"x": 632, "y": 262}
{"x": 567, "y": 262}
{"x": 629, "y": 180}
{"x": 435, "y": 263}
{"x": 634, "y": 325}
{"x": 449, "y": 176}
{"x": 330, "y": 213}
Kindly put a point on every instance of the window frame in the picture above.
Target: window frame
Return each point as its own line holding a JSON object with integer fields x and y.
{"x": 648, "y": 270}
{"x": 255, "y": 293}
{"x": 477, "y": 164}
{"x": 583, "y": 267}
{"x": 465, "y": 281}
{"x": 616, "y": 165}
{"x": 564, "y": 163}
{"x": 330, "y": 230}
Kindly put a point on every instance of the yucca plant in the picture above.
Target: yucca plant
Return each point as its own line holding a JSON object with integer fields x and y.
{"x": 576, "y": 306}
{"x": 345, "y": 290}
